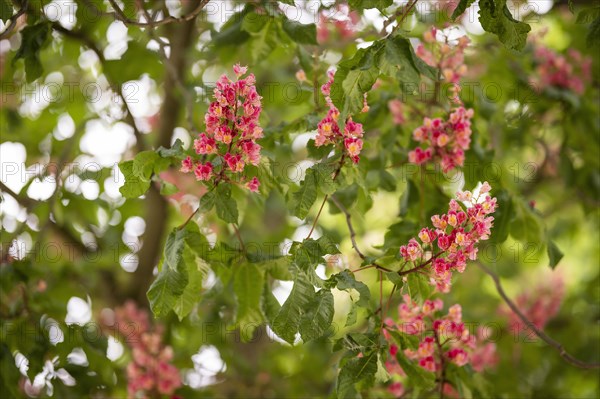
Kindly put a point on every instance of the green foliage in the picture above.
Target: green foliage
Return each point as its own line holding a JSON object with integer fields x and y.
{"x": 34, "y": 39}
{"x": 495, "y": 17}
{"x": 537, "y": 147}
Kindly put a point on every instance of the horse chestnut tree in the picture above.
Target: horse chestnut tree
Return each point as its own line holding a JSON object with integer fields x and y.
{"x": 341, "y": 198}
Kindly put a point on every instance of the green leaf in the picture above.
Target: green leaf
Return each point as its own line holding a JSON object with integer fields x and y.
{"x": 352, "y": 315}
{"x": 248, "y": 284}
{"x": 33, "y": 39}
{"x": 461, "y": 8}
{"x": 395, "y": 278}
{"x": 345, "y": 280}
{"x": 306, "y": 254}
{"x": 381, "y": 5}
{"x": 418, "y": 286}
{"x": 588, "y": 15}
{"x": 269, "y": 303}
{"x": 196, "y": 271}
{"x": 287, "y": 321}
{"x": 263, "y": 31}
{"x": 381, "y": 375}
{"x": 226, "y": 206}
{"x": 387, "y": 181}
{"x": 172, "y": 278}
{"x": 417, "y": 375}
{"x": 502, "y": 217}
{"x": 176, "y": 150}
{"x": 554, "y": 253}
{"x": 300, "y": 33}
{"x": 526, "y": 225}
{"x": 323, "y": 173}
{"x": 397, "y": 58}
{"x": 134, "y": 185}
{"x": 143, "y": 164}
{"x": 353, "y": 78}
{"x": 278, "y": 268}
{"x": 318, "y": 316}
{"x": 495, "y": 17}
{"x": 166, "y": 289}
{"x": 303, "y": 198}
{"x": 593, "y": 37}
{"x": 168, "y": 188}
{"x": 6, "y": 9}
{"x": 354, "y": 371}
{"x": 207, "y": 202}
{"x": 174, "y": 248}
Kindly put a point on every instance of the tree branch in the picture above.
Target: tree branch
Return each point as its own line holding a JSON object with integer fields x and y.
{"x": 343, "y": 209}
{"x": 89, "y": 43}
{"x": 553, "y": 343}
{"x": 180, "y": 36}
{"x": 120, "y": 15}
{"x": 13, "y": 20}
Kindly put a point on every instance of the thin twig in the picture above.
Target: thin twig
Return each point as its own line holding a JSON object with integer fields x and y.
{"x": 381, "y": 299}
{"x": 12, "y": 21}
{"x": 335, "y": 176}
{"x": 89, "y": 43}
{"x": 555, "y": 344}
{"x": 422, "y": 265}
{"x": 343, "y": 209}
{"x": 120, "y": 15}
{"x": 409, "y": 7}
{"x": 239, "y": 237}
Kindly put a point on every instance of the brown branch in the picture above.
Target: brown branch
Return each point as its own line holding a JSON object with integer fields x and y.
{"x": 89, "y": 43}
{"x": 239, "y": 237}
{"x": 13, "y": 20}
{"x": 553, "y": 343}
{"x": 422, "y": 265}
{"x": 120, "y": 15}
{"x": 180, "y": 36}
{"x": 343, "y": 209}
{"x": 409, "y": 7}
{"x": 335, "y": 176}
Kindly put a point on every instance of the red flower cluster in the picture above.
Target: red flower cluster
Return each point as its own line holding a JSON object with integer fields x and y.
{"x": 444, "y": 340}
{"x": 446, "y": 140}
{"x": 343, "y": 21}
{"x": 448, "y": 57}
{"x": 539, "y": 304}
{"x": 571, "y": 72}
{"x": 328, "y": 130}
{"x": 457, "y": 233}
{"x": 232, "y": 128}
{"x": 396, "y": 108}
{"x": 150, "y": 368}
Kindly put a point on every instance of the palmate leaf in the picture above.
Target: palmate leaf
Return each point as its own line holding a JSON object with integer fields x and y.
{"x": 172, "y": 277}
{"x": 304, "y": 197}
{"x": 287, "y": 321}
{"x": 34, "y": 39}
{"x": 345, "y": 280}
{"x": 495, "y": 17}
{"x": 248, "y": 287}
{"x": 226, "y": 206}
{"x": 318, "y": 317}
{"x": 354, "y": 371}
{"x": 179, "y": 281}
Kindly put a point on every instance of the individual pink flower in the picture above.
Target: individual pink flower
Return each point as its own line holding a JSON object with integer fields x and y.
{"x": 253, "y": 185}
{"x": 187, "y": 165}
{"x": 203, "y": 171}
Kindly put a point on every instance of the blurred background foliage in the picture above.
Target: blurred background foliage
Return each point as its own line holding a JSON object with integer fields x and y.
{"x": 82, "y": 91}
